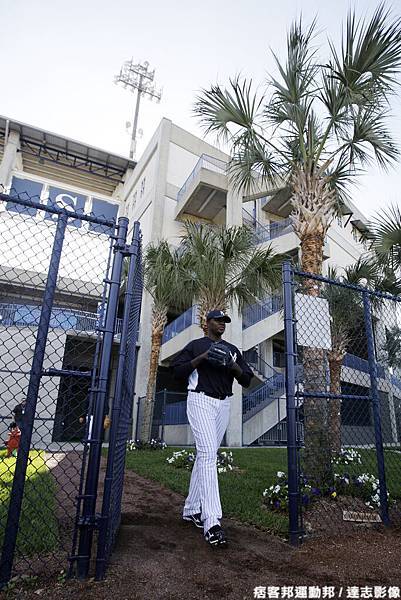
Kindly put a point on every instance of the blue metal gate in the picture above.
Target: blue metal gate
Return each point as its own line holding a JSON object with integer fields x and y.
{"x": 60, "y": 294}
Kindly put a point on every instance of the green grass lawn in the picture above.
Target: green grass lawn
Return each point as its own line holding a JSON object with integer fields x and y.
{"x": 38, "y": 530}
{"x": 240, "y": 492}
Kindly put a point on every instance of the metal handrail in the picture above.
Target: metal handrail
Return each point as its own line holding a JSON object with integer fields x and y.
{"x": 28, "y": 315}
{"x": 264, "y": 395}
{"x": 205, "y": 162}
{"x": 186, "y": 319}
{"x": 263, "y": 367}
{"x": 360, "y": 364}
{"x": 264, "y": 233}
{"x": 257, "y": 312}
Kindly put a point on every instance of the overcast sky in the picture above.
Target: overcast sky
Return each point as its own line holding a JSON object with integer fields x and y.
{"x": 59, "y": 58}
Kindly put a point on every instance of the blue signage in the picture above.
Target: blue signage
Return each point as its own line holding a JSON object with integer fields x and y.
{"x": 26, "y": 190}
{"x": 101, "y": 208}
{"x": 69, "y": 201}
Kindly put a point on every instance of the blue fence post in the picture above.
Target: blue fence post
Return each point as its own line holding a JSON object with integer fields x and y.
{"x": 376, "y": 410}
{"x": 293, "y": 483}
{"x": 88, "y": 520}
{"x": 14, "y": 508}
{"x": 116, "y": 410}
{"x": 163, "y": 412}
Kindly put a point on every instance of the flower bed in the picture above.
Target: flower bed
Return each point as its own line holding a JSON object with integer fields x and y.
{"x": 363, "y": 485}
{"x": 184, "y": 459}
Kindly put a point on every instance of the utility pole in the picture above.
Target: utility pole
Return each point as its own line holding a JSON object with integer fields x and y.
{"x": 137, "y": 77}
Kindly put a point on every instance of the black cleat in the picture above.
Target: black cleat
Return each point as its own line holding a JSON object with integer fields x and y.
{"x": 215, "y": 536}
{"x": 195, "y": 519}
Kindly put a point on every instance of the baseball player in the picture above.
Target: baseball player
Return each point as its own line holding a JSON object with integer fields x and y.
{"x": 210, "y": 365}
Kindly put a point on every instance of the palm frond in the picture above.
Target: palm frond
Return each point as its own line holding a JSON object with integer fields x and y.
{"x": 370, "y": 139}
{"x": 254, "y": 164}
{"x": 217, "y": 108}
{"x": 370, "y": 58}
{"x": 385, "y": 229}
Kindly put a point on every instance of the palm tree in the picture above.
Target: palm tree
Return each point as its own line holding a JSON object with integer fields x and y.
{"x": 225, "y": 266}
{"x": 320, "y": 124}
{"x": 162, "y": 280}
{"x": 385, "y": 234}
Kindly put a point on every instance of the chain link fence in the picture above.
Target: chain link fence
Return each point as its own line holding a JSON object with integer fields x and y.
{"x": 344, "y": 387}
{"x": 58, "y": 307}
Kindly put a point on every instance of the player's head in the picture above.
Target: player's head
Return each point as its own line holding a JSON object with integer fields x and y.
{"x": 216, "y": 322}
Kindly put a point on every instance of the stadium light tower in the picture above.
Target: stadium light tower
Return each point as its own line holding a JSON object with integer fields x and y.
{"x": 137, "y": 77}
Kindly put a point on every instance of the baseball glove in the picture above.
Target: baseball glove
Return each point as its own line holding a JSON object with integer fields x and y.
{"x": 219, "y": 355}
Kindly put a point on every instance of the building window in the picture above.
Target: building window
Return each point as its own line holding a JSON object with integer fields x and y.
{"x": 143, "y": 186}
{"x": 355, "y": 412}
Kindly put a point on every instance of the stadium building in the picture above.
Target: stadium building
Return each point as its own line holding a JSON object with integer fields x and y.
{"x": 178, "y": 177}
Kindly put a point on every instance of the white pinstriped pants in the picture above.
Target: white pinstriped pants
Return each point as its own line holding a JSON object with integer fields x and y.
{"x": 208, "y": 418}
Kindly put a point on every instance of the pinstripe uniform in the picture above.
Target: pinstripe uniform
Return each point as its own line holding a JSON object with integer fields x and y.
{"x": 208, "y": 410}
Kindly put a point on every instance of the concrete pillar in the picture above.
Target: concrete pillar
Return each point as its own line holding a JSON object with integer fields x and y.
{"x": 233, "y": 208}
{"x": 11, "y": 158}
{"x": 234, "y": 335}
{"x": 234, "y": 330}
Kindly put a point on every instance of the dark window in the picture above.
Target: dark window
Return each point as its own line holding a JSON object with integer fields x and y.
{"x": 355, "y": 412}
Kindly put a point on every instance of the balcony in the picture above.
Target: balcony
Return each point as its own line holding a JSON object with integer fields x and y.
{"x": 360, "y": 364}
{"x": 258, "y": 312}
{"x": 268, "y": 232}
{"x": 204, "y": 192}
{"x": 278, "y": 203}
{"x": 25, "y": 315}
{"x": 189, "y": 317}
{"x": 179, "y": 332}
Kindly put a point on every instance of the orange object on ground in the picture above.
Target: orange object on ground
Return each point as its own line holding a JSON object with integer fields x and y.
{"x": 13, "y": 441}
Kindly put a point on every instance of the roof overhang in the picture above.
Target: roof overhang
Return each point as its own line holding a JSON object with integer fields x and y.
{"x": 53, "y": 147}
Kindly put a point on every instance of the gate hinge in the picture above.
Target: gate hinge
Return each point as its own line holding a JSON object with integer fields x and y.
{"x": 129, "y": 249}
{"x": 91, "y": 522}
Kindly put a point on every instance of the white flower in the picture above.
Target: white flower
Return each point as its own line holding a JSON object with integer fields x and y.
{"x": 280, "y": 474}
{"x": 276, "y": 490}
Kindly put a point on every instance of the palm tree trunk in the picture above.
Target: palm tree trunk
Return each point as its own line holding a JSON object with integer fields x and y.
{"x": 317, "y": 456}
{"x": 159, "y": 320}
{"x": 335, "y": 362}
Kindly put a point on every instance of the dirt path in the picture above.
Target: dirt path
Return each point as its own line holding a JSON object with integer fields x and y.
{"x": 158, "y": 556}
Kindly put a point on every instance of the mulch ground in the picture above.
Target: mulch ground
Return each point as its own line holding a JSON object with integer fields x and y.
{"x": 158, "y": 556}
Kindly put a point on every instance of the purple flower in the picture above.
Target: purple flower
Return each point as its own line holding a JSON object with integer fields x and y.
{"x": 305, "y": 499}
{"x": 277, "y": 504}
{"x": 315, "y": 491}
